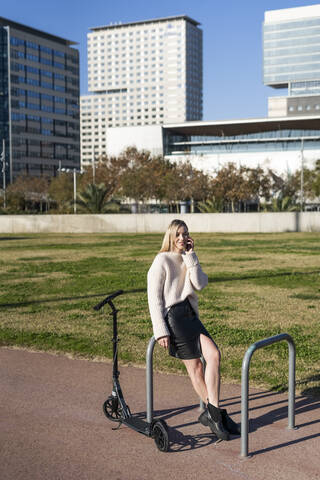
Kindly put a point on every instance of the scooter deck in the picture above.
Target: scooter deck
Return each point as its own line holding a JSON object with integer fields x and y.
{"x": 138, "y": 424}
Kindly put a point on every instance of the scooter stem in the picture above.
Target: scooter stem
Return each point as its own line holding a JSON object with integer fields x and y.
{"x": 115, "y": 340}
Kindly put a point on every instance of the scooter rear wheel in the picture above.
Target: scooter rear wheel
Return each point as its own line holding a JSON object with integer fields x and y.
{"x": 160, "y": 435}
{"x": 111, "y": 409}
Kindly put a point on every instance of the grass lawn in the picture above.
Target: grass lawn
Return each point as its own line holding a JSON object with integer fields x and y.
{"x": 259, "y": 285}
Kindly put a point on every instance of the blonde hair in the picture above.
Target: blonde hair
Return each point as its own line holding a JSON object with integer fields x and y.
{"x": 170, "y": 235}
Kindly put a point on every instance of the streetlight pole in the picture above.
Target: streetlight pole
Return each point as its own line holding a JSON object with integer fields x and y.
{"x": 67, "y": 170}
{"x": 301, "y": 178}
{"x": 74, "y": 190}
{"x": 94, "y": 168}
{"x": 3, "y": 159}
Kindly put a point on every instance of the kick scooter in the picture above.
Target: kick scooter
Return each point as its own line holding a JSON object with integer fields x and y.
{"x": 115, "y": 407}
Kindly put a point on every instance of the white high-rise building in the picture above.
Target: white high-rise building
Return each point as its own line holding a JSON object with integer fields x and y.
{"x": 141, "y": 73}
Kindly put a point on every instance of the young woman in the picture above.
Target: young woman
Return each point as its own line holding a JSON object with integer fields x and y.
{"x": 173, "y": 277}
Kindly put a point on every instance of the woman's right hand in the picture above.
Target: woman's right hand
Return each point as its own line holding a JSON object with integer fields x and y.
{"x": 164, "y": 341}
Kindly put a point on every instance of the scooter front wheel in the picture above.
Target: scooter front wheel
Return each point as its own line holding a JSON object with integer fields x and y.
{"x": 160, "y": 435}
{"x": 111, "y": 409}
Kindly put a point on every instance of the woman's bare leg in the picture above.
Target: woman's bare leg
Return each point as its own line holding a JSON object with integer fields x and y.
{"x": 207, "y": 386}
{"x": 212, "y": 356}
{"x": 195, "y": 371}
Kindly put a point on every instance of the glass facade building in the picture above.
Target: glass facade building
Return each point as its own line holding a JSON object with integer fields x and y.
{"x": 265, "y": 136}
{"x": 286, "y": 141}
{"x": 291, "y": 49}
{"x": 291, "y": 60}
{"x": 273, "y": 141}
{"x": 39, "y": 101}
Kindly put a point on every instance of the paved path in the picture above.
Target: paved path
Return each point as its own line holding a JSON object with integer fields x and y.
{"x": 53, "y": 427}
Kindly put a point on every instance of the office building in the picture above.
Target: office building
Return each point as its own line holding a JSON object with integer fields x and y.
{"x": 39, "y": 101}
{"x": 140, "y": 73}
{"x": 286, "y": 141}
{"x": 291, "y": 59}
{"x": 281, "y": 144}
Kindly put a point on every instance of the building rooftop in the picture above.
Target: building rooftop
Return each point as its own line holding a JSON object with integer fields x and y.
{"x": 297, "y": 13}
{"x": 5, "y": 22}
{"x": 245, "y": 126}
{"x": 143, "y": 22}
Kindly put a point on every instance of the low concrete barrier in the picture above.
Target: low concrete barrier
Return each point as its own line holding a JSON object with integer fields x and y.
{"x": 152, "y": 223}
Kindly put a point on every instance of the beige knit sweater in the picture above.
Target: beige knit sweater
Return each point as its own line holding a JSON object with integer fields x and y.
{"x": 172, "y": 278}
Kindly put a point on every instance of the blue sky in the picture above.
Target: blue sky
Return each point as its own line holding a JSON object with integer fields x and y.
{"x": 232, "y": 47}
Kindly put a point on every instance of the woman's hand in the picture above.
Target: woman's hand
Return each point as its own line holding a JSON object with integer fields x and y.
{"x": 190, "y": 245}
{"x": 164, "y": 341}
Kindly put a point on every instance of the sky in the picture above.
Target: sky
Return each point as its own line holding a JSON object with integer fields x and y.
{"x": 232, "y": 41}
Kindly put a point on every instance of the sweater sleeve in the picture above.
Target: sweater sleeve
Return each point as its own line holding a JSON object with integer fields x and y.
{"x": 197, "y": 277}
{"x": 156, "y": 279}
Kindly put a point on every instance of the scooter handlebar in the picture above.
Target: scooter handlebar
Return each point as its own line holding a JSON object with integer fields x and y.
{"x": 108, "y": 299}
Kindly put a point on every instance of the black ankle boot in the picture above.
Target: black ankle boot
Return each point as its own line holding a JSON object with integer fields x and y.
{"x": 215, "y": 424}
{"x": 203, "y": 418}
{"x": 229, "y": 424}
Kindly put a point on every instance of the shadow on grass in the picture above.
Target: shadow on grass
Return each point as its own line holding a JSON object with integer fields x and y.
{"x": 13, "y": 238}
{"x": 64, "y": 299}
{"x": 254, "y": 276}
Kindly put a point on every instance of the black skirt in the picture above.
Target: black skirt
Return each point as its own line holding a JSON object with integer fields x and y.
{"x": 185, "y": 328}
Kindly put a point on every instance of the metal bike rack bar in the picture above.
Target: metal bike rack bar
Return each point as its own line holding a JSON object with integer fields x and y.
{"x": 149, "y": 380}
{"x": 245, "y": 385}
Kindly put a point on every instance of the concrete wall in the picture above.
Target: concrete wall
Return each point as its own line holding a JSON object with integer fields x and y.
{"x": 152, "y": 223}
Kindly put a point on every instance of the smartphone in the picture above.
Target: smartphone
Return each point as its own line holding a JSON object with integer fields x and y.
{"x": 188, "y": 245}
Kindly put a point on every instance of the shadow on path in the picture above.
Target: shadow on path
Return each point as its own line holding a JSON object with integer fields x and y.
{"x": 303, "y": 405}
{"x": 180, "y": 442}
{"x": 286, "y": 444}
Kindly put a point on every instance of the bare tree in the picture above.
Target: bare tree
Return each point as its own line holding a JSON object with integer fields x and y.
{"x": 256, "y": 185}
{"x": 228, "y": 185}
{"x": 28, "y": 194}
{"x": 108, "y": 171}
{"x": 61, "y": 192}
{"x": 316, "y": 179}
{"x": 144, "y": 177}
